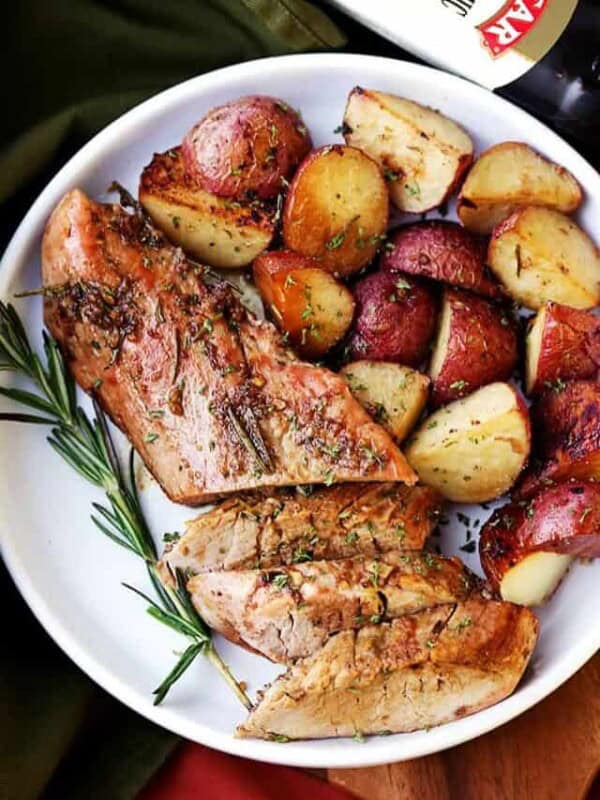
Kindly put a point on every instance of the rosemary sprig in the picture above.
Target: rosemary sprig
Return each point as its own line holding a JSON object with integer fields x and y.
{"x": 87, "y": 446}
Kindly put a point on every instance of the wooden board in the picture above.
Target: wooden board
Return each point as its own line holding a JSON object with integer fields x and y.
{"x": 551, "y": 752}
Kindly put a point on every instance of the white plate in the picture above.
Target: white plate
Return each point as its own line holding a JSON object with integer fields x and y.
{"x": 71, "y": 575}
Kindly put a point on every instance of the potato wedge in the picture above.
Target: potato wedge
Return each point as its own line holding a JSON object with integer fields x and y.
{"x": 443, "y": 251}
{"x": 539, "y": 254}
{"x": 395, "y": 318}
{"x": 563, "y": 343}
{"x": 423, "y": 153}
{"x": 510, "y": 175}
{"x": 526, "y": 547}
{"x": 476, "y": 344}
{"x": 336, "y": 209}
{"x": 394, "y": 395}
{"x": 212, "y": 229}
{"x": 309, "y": 305}
{"x": 473, "y": 450}
{"x": 246, "y": 148}
{"x": 566, "y": 423}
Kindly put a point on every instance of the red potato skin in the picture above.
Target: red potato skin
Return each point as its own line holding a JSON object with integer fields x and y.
{"x": 482, "y": 347}
{"x": 397, "y": 330}
{"x": 566, "y": 426}
{"x": 246, "y": 147}
{"x": 443, "y": 251}
{"x": 562, "y": 519}
{"x": 570, "y": 346}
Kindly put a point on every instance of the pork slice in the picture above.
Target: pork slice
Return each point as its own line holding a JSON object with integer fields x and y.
{"x": 412, "y": 673}
{"x": 264, "y": 530}
{"x": 289, "y": 613}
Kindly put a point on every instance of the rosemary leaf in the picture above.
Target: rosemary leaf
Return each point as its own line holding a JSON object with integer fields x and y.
{"x": 32, "y": 418}
{"x": 184, "y": 662}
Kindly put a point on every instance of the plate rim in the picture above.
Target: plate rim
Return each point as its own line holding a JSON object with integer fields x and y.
{"x": 302, "y": 754}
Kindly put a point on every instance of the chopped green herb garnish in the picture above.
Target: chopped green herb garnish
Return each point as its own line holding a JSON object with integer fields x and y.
{"x": 337, "y": 240}
{"x": 280, "y": 581}
{"x": 301, "y": 555}
{"x": 413, "y": 189}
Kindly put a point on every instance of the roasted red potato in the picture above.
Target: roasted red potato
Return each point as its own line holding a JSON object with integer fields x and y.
{"x": 476, "y": 344}
{"x": 246, "y": 148}
{"x": 443, "y": 251}
{"x": 308, "y": 304}
{"x": 212, "y": 229}
{"x": 510, "y": 175}
{"x": 393, "y": 395}
{"x": 563, "y": 343}
{"x": 423, "y": 153}
{"x": 527, "y": 546}
{"x": 566, "y": 423}
{"x": 395, "y": 319}
{"x": 336, "y": 209}
{"x": 539, "y": 254}
{"x": 473, "y": 449}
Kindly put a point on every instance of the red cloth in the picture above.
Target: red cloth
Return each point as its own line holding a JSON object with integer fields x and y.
{"x": 197, "y": 773}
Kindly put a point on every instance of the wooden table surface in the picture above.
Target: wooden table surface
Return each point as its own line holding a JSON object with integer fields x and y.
{"x": 551, "y": 752}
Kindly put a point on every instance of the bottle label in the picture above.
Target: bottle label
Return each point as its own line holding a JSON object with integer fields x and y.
{"x": 492, "y": 42}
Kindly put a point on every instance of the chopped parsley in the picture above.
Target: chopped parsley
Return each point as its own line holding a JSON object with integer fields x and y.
{"x": 301, "y": 554}
{"x": 338, "y": 240}
{"x": 280, "y": 581}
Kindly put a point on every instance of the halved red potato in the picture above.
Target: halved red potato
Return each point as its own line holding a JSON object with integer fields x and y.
{"x": 395, "y": 319}
{"x": 443, "y": 251}
{"x": 476, "y": 344}
{"x": 566, "y": 422}
{"x": 423, "y": 153}
{"x": 246, "y": 147}
{"x": 212, "y": 229}
{"x": 336, "y": 209}
{"x": 393, "y": 395}
{"x": 526, "y": 546}
{"x": 539, "y": 255}
{"x": 510, "y": 175}
{"x": 308, "y": 304}
{"x": 563, "y": 343}
{"x": 473, "y": 449}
